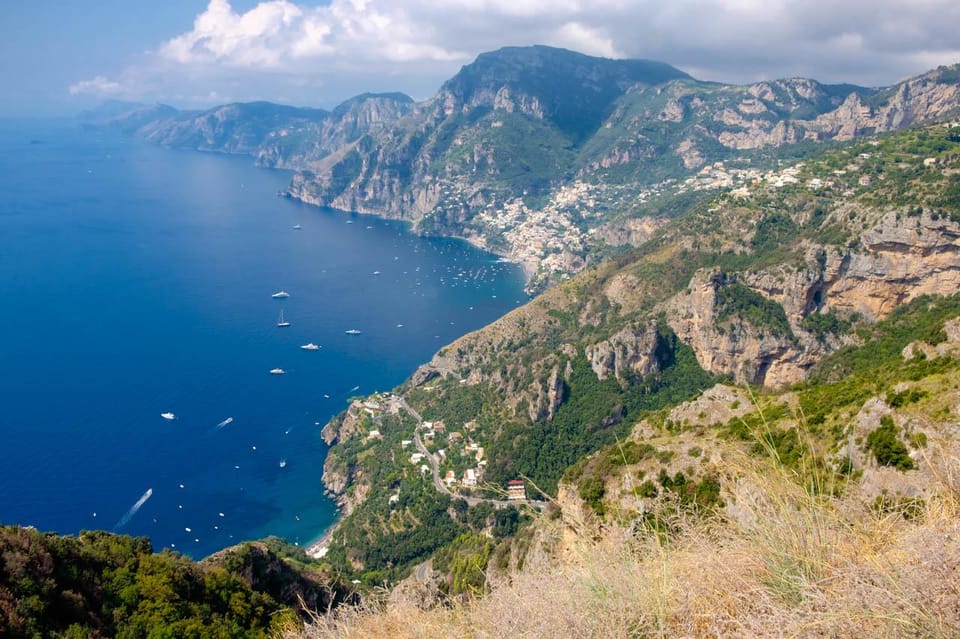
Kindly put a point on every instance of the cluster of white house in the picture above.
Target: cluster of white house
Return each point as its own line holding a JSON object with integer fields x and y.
{"x": 471, "y": 476}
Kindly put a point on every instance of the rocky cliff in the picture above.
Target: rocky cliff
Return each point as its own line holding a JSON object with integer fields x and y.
{"x": 494, "y": 156}
{"x": 795, "y": 266}
{"x": 545, "y": 155}
{"x": 276, "y": 135}
{"x": 604, "y": 389}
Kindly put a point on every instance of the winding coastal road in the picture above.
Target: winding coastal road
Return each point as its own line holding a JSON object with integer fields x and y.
{"x": 435, "y": 468}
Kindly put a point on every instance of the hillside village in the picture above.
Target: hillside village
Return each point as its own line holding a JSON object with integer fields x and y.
{"x": 459, "y": 459}
{"x": 551, "y": 241}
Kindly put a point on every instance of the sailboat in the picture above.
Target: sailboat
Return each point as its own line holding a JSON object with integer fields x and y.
{"x": 282, "y": 323}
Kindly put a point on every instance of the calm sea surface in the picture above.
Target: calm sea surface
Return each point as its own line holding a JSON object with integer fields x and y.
{"x": 136, "y": 280}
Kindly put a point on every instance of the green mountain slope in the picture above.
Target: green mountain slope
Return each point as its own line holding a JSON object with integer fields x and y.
{"x": 754, "y": 287}
{"x": 830, "y": 506}
{"x": 531, "y": 151}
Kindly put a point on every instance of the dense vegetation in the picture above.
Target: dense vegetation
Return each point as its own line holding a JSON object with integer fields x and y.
{"x": 737, "y": 300}
{"x": 593, "y": 415}
{"x": 104, "y": 585}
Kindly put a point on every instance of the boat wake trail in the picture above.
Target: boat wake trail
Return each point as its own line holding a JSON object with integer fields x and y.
{"x": 133, "y": 509}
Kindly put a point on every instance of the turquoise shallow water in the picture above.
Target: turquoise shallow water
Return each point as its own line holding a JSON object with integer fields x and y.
{"x": 137, "y": 280}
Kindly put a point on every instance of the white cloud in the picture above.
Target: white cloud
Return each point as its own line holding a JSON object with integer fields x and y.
{"x": 578, "y": 37}
{"x": 257, "y": 38}
{"x": 341, "y": 47}
{"x": 97, "y": 86}
{"x": 280, "y": 34}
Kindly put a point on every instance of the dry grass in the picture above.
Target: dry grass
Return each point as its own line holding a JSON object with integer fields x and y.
{"x": 783, "y": 563}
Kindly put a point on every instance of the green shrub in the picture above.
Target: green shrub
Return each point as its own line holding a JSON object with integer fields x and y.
{"x": 886, "y": 446}
{"x": 592, "y": 491}
{"x": 909, "y": 396}
{"x": 736, "y": 299}
{"x": 647, "y": 489}
{"x": 824, "y": 324}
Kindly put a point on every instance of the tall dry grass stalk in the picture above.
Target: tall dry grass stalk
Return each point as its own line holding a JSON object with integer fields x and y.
{"x": 783, "y": 561}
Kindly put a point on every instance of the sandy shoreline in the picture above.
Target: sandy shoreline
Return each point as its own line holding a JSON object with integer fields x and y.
{"x": 317, "y": 549}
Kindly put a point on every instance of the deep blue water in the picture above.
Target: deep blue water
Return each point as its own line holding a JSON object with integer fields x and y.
{"x": 136, "y": 280}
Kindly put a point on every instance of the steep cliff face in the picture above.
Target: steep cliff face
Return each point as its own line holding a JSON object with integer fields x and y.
{"x": 541, "y": 154}
{"x": 630, "y": 352}
{"x": 342, "y": 480}
{"x": 931, "y": 96}
{"x": 901, "y": 258}
{"x": 734, "y": 345}
{"x": 898, "y": 259}
{"x": 301, "y": 147}
{"x": 788, "y": 279}
{"x": 464, "y": 163}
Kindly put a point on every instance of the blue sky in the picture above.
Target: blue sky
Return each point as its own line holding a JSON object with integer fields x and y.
{"x": 59, "y": 56}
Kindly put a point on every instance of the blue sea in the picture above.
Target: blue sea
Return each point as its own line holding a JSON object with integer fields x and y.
{"x": 137, "y": 280}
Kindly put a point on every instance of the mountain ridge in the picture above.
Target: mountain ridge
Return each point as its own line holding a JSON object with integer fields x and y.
{"x": 544, "y": 155}
{"x": 756, "y": 287}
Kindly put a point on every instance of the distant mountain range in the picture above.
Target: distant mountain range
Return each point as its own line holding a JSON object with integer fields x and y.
{"x": 538, "y": 153}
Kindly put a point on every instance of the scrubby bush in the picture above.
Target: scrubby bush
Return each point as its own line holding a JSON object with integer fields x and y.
{"x": 886, "y": 446}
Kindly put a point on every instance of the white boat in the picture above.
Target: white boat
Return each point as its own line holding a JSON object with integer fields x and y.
{"x": 168, "y": 416}
{"x": 226, "y": 422}
{"x": 277, "y": 371}
{"x": 282, "y": 323}
{"x": 310, "y": 347}
{"x": 280, "y": 295}
{"x": 352, "y": 331}
{"x": 376, "y": 272}
{"x": 297, "y": 227}
{"x": 283, "y": 463}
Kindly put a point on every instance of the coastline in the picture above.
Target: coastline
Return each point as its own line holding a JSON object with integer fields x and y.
{"x": 314, "y": 539}
{"x": 530, "y": 267}
{"x": 317, "y": 549}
